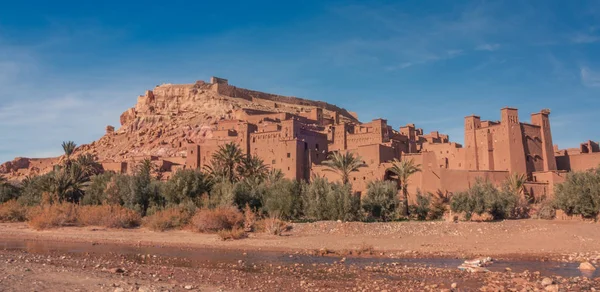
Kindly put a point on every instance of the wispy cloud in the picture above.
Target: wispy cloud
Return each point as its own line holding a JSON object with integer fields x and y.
{"x": 487, "y": 47}
{"x": 585, "y": 38}
{"x": 590, "y": 78}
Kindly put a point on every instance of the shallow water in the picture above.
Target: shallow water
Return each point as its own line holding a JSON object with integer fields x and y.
{"x": 198, "y": 256}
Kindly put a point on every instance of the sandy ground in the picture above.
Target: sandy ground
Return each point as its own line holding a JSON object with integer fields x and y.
{"x": 531, "y": 238}
{"x": 244, "y": 267}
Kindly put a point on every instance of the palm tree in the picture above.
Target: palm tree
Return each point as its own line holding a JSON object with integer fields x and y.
{"x": 274, "y": 175}
{"x": 68, "y": 148}
{"x": 516, "y": 185}
{"x": 226, "y": 159}
{"x": 68, "y": 184}
{"x": 252, "y": 167}
{"x": 89, "y": 165}
{"x": 403, "y": 170}
{"x": 343, "y": 164}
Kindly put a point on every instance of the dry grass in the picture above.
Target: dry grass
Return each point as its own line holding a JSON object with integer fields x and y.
{"x": 12, "y": 211}
{"x": 111, "y": 216}
{"x": 168, "y": 219}
{"x": 249, "y": 219}
{"x": 52, "y": 216}
{"x": 215, "y": 220}
{"x": 66, "y": 214}
{"x": 233, "y": 234}
{"x": 272, "y": 225}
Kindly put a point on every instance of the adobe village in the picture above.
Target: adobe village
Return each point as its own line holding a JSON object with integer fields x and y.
{"x": 294, "y": 194}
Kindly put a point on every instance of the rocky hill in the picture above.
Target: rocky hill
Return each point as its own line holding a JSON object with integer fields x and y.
{"x": 165, "y": 119}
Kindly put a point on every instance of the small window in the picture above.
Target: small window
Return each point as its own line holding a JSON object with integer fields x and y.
{"x": 273, "y": 162}
{"x": 289, "y": 155}
{"x": 288, "y": 168}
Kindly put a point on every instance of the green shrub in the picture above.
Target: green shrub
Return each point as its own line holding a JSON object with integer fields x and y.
{"x": 95, "y": 194}
{"x": 8, "y": 191}
{"x": 439, "y": 205}
{"x": 483, "y": 197}
{"x": 381, "y": 200}
{"x": 32, "y": 189}
{"x": 323, "y": 200}
{"x": 422, "y": 207}
{"x": 579, "y": 194}
{"x": 283, "y": 198}
{"x": 185, "y": 186}
{"x": 221, "y": 194}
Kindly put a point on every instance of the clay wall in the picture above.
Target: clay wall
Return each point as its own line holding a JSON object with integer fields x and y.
{"x": 539, "y": 190}
{"x": 116, "y": 167}
{"x": 578, "y": 162}
{"x": 448, "y": 155}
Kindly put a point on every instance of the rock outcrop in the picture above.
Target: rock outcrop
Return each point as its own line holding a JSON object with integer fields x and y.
{"x": 165, "y": 119}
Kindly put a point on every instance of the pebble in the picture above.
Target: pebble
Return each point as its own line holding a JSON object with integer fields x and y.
{"x": 547, "y": 281}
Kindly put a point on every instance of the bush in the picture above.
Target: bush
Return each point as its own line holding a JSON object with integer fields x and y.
{"x": 32, "y": 189}
{"x": 168, "y": 219}
{"x": 207, "y": 220}
{"x": 12, "y": 211}
{"x": 381, "y": 200}
{"x": 9, "y": 192}
{"x": 249, "y": 219}
{"x": 250, "y": 193}
{"x": 438, "y": 206}
{"x": 111, "y": 216}
{"x": 283, "y": 198}
{"x": 579, "y": 194}
{"x": 273, "y": 225}
{"x": 95, "y": 194}
{"x": 323, "y": 200}
{"x": 483, "y": 197}
{"x": 221, "y": 194}
{"x": 68, "y": 214}
{"x": 546, "y": 210}
{"x": 421, "y": 208}
{"x": 53, "y": 216}
{"x": 140, "y": 191}
{"x": 186, "y": 185}
{"x": 233, "y": 234}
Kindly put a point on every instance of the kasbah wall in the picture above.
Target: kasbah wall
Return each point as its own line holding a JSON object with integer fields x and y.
{"x": 297, "y": 144}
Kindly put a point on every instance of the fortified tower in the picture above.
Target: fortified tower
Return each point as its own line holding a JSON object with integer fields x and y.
{"x": 541, "y": 119}
{"x": 472, "y": 123}
{"x": 513, "y": 135}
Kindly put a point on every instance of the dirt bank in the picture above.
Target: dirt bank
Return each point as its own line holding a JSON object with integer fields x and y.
{"x": 560, "y": 240}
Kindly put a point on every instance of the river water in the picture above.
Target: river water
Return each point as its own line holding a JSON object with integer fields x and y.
{"x": 199, "y": 256}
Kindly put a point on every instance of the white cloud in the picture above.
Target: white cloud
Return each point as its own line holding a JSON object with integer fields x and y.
{"x": 487, "y": 47}
{"x": 590, "y": 78}
{"x": 583, "y": 38}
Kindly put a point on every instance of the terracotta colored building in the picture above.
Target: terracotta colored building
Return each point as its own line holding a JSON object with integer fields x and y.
{"x": 297, "y": 144}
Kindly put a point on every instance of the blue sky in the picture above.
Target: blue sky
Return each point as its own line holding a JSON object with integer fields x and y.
{"x": 68, "y": 69}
